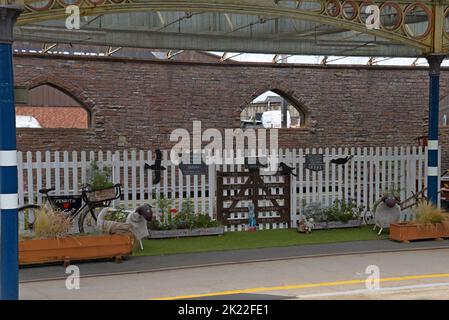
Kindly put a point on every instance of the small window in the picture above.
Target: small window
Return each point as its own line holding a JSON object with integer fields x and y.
{"x": 266, "y": 111}
{"x": 444, "y": 120}
{"x": 50, "y": 107}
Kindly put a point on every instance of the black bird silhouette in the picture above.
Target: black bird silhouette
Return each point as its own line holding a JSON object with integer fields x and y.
{"x": 344, "y": 160}
{"x": 156, "y": 167}
{"x": 285, "y": 169}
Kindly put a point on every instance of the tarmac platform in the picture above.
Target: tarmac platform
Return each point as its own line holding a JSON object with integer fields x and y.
{"x": 144, "y": 264}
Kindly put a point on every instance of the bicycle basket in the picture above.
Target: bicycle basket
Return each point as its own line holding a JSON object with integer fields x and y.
{"x": 102, "y": 195}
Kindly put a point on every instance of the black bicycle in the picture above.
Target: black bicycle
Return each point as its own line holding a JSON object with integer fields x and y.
{"x": 79, "y": 205}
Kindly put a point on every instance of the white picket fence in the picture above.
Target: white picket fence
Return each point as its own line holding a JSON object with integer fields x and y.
{"x": 362, "y": 179}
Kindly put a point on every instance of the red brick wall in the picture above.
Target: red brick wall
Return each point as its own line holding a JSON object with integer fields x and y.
{"x": 144, "y": 100}
{"x": 57, "y": 117}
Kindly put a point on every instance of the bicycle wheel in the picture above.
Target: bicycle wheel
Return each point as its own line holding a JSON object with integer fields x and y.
{"x": 87, "y": 221}
{"x": 28, "y": 214}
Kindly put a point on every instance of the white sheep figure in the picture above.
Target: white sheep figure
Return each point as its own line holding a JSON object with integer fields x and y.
{"x": 385, "y": 215}
{"x": 136, "y": 223}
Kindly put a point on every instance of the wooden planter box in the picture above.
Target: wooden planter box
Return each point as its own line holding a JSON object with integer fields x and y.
{"x": 163, "y": 234}
{"x": 337, "y": 224}
{"x": 406, "y": 232}
{"x": 68, "y": 249}
{"x": 101, "y": 195}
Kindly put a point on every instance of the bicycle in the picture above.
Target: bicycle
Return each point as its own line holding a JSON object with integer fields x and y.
{"x": 79, "y": 205}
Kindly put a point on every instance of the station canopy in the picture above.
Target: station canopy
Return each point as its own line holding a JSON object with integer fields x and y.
{"x": 331, "y": 27}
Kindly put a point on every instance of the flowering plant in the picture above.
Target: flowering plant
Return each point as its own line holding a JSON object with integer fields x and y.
{"x": 171, "y": 218}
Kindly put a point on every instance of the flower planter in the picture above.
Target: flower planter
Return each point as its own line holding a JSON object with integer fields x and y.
{"x": 337, "y": 224}
{"x": 107, "y": 194}
{"x": 406, "y": 232}
{"x": 34, "y": 251}
{"x": 178, "y": 233}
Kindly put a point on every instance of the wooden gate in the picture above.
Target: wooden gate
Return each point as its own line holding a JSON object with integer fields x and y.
{"x": 256, "y": 190}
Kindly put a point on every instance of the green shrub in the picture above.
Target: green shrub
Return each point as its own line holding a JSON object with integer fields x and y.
{"x": 344, "y": 211}
{"x": 315, "y": 210}
{"x": 171, "y": 219}
{"x": 341, "y": 210}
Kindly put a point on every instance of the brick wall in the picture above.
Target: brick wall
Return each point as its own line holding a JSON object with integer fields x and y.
{"x": 137, "y": 103}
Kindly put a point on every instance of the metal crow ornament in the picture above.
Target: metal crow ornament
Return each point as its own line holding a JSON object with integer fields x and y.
{"x": 341, "y": 161}
{"x": 286, "y": 170}
{"x": 156, "y": 167}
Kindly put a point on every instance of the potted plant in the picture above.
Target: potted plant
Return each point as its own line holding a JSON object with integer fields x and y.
{"x": 430, "y": 223}
{"x": 100, "y": 184}
{"x": 52, "y": 242}
{"x": 185, "y": 223}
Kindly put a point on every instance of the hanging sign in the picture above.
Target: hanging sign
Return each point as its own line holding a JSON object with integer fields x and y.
{"x": 314, "y": 162}
{"x": 197, "y": 167}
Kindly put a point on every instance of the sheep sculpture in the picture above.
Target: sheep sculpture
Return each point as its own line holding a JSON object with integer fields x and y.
{"x": 387, "y": 212}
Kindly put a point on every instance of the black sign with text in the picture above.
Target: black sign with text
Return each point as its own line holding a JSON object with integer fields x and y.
{"x": 195, "y": 166}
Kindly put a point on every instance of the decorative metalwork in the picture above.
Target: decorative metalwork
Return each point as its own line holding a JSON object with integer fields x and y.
{"x": 423, "y": 25}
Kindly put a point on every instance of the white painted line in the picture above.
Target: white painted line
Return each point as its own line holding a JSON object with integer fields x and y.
{"x": 432, "y": 171}
{"x": 8, "y": 158}
{"x": 9, "y": 201}
{"x": 432, "y": 145}
{"x": 361, "y": 291}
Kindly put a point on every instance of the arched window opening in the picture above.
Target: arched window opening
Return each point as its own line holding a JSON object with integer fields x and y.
{"x": 272, "y": 110}
{"x": 50, "y": 107}
{"x": 444, "y": 120}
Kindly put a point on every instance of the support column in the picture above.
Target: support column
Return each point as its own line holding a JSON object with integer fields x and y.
{"x": 9, "y": 268}
{"x": 434, "y": 100}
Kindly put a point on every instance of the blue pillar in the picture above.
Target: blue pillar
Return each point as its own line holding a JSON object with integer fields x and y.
{"x": 434, "y": 100}
{"x": 9, "y": 268}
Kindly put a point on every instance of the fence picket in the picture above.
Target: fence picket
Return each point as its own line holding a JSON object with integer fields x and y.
{"x": 125, "y": 179}
{"x": 365, "y": 177}
{"x": 20, "y": 189}
{"x": 38, "y": 176}
{"x": 65, "y": 170}
{"x": 74, "y": 165}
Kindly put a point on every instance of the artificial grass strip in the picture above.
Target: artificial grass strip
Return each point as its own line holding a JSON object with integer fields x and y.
{"x": 258, "y": 239}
